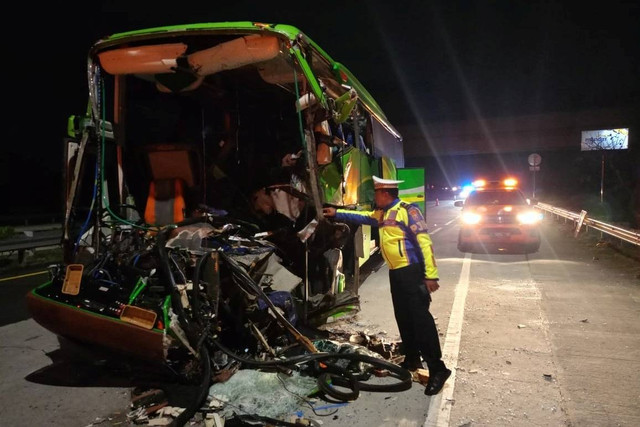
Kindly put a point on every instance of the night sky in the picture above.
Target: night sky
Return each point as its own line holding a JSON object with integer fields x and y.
{"x": 423, "y": 61}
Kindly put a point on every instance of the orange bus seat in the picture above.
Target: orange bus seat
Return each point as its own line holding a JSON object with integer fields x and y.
{"x": 165, "y": 202}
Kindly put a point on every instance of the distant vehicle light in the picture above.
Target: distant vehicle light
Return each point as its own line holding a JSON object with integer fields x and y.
{"x": 530, "y": 217}
{"x": 510, "y": 182}
{"x": 465, "y": 191}
{"x": 471, "y": 218}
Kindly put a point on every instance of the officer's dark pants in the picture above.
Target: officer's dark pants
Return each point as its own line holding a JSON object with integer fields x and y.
{"x": 417, "y": 328}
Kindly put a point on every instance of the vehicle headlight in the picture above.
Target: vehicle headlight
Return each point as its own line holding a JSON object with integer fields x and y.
{"x": 530, "y": 217}
{"x": 470, "y": 218}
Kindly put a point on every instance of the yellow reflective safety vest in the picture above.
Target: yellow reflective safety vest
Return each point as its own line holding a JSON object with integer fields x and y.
{"x": 404, "y": 238}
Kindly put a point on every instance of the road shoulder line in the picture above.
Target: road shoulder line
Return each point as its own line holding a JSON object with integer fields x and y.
{"x": 440, "y": 404}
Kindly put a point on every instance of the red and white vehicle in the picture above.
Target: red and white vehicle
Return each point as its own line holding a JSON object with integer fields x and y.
{"x": 497, "y": 216}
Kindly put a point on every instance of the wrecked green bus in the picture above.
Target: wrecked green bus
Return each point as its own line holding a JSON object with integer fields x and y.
{"x": 195, "y": 183}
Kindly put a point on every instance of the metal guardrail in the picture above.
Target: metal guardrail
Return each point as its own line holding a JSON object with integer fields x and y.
{"x": 32, "y": 237}
{"x": 581, "y": 219}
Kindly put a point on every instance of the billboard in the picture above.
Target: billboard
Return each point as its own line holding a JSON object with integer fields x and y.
{"x": 608, "y": 139}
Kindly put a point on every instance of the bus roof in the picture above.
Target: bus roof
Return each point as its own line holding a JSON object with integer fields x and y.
{"x": 283, "y": 31}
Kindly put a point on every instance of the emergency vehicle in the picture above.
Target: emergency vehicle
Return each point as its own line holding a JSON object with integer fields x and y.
{"x": 496, "y": 215}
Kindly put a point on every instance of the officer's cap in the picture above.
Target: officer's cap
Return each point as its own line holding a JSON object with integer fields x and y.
{"x": 379, "y": 183}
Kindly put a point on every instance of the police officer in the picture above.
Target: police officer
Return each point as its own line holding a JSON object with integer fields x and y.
{"x": 413, "y": 275}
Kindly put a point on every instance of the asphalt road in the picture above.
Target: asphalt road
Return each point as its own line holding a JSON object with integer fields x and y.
{"x": 545, "y": 339}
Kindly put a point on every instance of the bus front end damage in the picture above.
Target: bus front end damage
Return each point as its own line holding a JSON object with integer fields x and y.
{"x": 193, "y": 231}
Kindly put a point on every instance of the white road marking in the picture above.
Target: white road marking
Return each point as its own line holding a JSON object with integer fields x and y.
{"x": 440, "y": 404}
{"x": 440, "y": 228}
